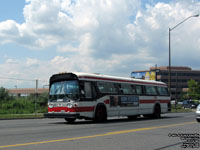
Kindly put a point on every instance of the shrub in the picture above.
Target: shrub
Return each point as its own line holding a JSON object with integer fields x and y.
{"x": 21, "y": 106}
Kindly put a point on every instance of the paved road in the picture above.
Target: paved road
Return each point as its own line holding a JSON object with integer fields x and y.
{"x": 116, "y": 134}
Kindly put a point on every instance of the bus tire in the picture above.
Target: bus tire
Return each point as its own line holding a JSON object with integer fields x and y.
{"x": 70, "y": 120}
{"x": 157, "y": 111}
{"x": 100, "y": 113}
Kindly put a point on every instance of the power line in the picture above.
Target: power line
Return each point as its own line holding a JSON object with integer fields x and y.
{"x": 6, "y": 78}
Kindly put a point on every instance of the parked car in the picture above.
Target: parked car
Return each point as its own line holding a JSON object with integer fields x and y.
{"x": 180, "y": 103}
{"x": 198, "y": 113}
{"x": 189, "y": 104}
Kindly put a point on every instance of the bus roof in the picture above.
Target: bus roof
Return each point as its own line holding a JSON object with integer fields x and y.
{"x": 100, "y": 77}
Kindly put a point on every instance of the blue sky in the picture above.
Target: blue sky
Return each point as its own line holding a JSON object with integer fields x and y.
{"x": 40, "y": 38}
{"x": 10, "y": 9}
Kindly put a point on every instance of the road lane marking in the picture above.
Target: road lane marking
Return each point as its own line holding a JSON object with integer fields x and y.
{"x": 98, "y": 135}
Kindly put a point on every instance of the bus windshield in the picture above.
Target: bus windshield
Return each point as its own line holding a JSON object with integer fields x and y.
{"x": 66, "y": 90}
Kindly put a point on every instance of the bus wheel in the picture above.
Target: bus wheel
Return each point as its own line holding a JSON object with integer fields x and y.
{"x": 157, "y": 112}
{"x": 70, "y": 120}
{"x": 100, "y": 114}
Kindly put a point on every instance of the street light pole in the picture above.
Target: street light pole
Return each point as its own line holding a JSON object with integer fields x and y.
{"x": 169, "y": 69}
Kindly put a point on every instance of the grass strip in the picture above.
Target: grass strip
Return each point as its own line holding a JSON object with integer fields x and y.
{"x": 21, "y": 116}
{"x": 182, "y": 110}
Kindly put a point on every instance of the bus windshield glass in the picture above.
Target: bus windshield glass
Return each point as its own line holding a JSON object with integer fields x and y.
{"x": 66, "y": 90}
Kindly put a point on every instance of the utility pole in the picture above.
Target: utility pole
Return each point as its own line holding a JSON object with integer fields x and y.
{"x": 36, "y": 93}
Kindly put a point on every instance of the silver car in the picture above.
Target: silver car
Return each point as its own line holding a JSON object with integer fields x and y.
{"x": 198, "y": 113}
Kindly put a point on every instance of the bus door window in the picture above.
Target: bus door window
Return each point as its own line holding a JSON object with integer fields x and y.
{"x": 94, "y": 92}
{"x": 88, "y": 89}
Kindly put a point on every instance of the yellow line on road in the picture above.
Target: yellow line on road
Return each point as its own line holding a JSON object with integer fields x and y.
{"x": 99, "y": 135}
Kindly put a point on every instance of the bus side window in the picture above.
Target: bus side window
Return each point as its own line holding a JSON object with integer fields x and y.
{"x": 162, "y": 91}
{"x": 117, "y": 87}
{"x": 107, "y": 87}
{"x": 88, "y": 89}
{"x": 138, "y": 89}
{"x": 101, "y": 86}
{"x": 126, "y": 88}
{"x": 134, "y": 89}
{"x": 150, "y": 90}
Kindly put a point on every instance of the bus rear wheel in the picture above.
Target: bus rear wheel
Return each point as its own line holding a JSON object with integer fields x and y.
{"x": 100, "y": 114}
{"x": 157, "y": 112}
{"x": 70, "y": 120}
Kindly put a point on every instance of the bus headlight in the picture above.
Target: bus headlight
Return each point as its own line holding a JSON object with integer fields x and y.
{"x": 50, "y": 105}
{"x": 69, "y": 105}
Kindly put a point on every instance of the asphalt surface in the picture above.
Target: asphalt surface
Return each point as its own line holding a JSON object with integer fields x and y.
{"x": 167, "y": 133}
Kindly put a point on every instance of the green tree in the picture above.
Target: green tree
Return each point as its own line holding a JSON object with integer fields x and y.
{"x": 4, "y": 94}
{"x": 43, "y": 98}
{"x": 194, "y": 89}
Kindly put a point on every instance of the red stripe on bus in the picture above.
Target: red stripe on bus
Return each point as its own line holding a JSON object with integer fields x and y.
{"x": 153, "y": 101}
{"x": 118, "y": 80}
{"x": 74, "y": 109}
{"x": 85, "y": 109}
{"x": 107, "y": 101}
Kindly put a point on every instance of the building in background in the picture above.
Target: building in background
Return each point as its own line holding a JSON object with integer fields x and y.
{"x": 24, "y": 92}
{"x": 180, "y": 75}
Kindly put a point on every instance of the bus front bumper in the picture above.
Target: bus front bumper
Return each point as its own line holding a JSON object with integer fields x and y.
{"x": 61, "y": 115}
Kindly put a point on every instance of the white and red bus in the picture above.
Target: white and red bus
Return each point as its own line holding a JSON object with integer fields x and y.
{"x": 92, "y": 96}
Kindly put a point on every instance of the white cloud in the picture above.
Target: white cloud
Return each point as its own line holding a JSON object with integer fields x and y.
{"x": 83, "y": 48}
{"x": 32, "y": 62}
{"x": 104, "y": 36}
{"x": 11, "y": 61}
{"x": 8, "y": 31}
{"x": 67, "y": 48}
